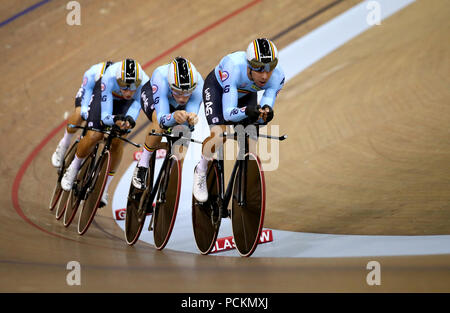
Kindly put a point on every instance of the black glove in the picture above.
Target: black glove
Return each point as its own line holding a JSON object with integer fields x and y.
{"x": 252, "y": 112}
{"x": 119, "y": 117}
{"x": 269, "y": 114}
{"x": 130, "y": 120}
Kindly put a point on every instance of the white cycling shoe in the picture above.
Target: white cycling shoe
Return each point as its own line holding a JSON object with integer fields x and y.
{"x": 58, "y": 155}
{"x": 69, "y": 178}
{"x": 200, "y": 189}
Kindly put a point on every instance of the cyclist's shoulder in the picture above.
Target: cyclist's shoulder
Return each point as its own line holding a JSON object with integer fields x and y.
{"x": 278, "y": 71}
{"x": 145, "y": 78}
{"x": 234, "y": 59}
{"x": 231, "y": 67}
{"x": 111, "y": 71}
{"x": 94, "y": 72}
{"x": 277, "y": 77}
{"x": 159, "y": 75}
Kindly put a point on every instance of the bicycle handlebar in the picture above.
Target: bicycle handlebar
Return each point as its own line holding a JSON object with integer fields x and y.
{"x": 110, "y": 132}
{"x": 172, "y": 136}
{"x": 234, "y": 136}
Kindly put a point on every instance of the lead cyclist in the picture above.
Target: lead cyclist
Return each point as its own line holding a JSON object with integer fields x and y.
{"x": 230, "y": 98}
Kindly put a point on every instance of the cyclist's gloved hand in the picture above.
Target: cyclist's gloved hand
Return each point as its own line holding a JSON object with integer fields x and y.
{"x": 119, "y": 117}
{"x": 130, "y": 121}
{"x": 192, "y": 118}
{"x": 267, "y": 113}
{"x": 120, "y": 123}
{"x": 180, "y": 116}
{"x": 252, "y": 112}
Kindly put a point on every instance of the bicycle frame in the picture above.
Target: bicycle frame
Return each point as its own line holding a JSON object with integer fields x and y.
{"x": 241, "y": 162}
{"x": 164, "y": 168}
{"x": 107, "y": 146}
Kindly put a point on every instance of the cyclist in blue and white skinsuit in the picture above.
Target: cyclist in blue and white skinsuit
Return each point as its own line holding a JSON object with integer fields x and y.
{"x": 82, "y": 101}
{"x": 230, "y": 98}
{"x": 172, "y": 97}
{"x": 115, "y": 103}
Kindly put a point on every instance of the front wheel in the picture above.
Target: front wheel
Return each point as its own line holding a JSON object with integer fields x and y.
{"x": 168, "y": 198}
{"x": 205, "y": 216}
{"x": 96, "y": 185}
{"x": 138, "y": 205}
{"x": 248, "y": 206}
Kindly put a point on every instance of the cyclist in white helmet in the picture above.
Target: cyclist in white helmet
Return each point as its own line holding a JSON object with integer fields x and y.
{"x": 171, "y": 97}
{"x": 115, "y": 104}
{"x": 230, "y": 98}
{"x": 81, "y": 112}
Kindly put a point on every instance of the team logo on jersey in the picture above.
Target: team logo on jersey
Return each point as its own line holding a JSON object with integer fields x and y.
{"x": 85, "y": 81}
{"x": 254, "y": 87}
{"x": 208, "y": 108}
{"x": 243, "y": 109}
{"x": 154, "y": 89}
{"x": 144, "y": 99}
{"x": 103, "y": 86}
{"x": 207, "y": 94}
{"x": 223, "y": 75}
{"x": 168, "y": 116}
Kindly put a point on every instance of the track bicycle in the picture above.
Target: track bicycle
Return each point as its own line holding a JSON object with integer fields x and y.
{"x": 90, "y": 182}
{"x": 166, "y": 188}
{"x": 245, "y": 189}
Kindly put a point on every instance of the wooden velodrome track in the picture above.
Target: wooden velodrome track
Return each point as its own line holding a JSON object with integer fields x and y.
{"x": 368, "y": 152}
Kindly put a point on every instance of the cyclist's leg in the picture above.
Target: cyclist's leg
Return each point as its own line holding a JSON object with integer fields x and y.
{"x": 85, "y": 146}
{"x": 119, "y": 107}
{"x": 151, "y": 142}
{"x": 212, "y": 100}
{"x": 64, "y": 143}
{"x": 87, "y": 143}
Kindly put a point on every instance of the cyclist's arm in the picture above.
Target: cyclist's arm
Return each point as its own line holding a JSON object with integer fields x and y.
{"x": 107, "y": 86}
{"x": 88, "y": 87}
{"x": 230, "y": 95}
{"x": 271, "y": 93}
{"x": 193, "y": 105}
{"x": 160, "y": 98}
{"x": 134, "y": 110}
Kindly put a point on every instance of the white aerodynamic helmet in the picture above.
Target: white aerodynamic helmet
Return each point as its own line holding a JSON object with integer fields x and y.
{"x": 182, "y": 75}
{"x": 262, "y": 55}
{"x": 129, "y": 74}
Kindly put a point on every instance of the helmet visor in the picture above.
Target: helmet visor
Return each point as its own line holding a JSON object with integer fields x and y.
{"x": 259, "y": 66}
{"x": 182, "y": 91}
{"x": 131, "y": 86}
